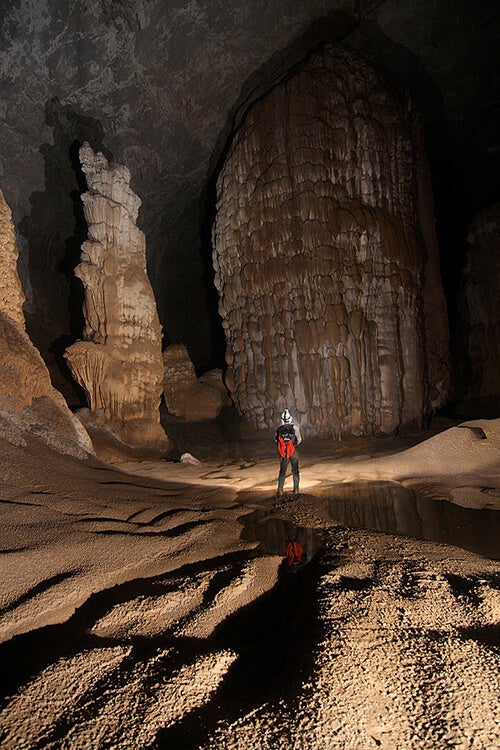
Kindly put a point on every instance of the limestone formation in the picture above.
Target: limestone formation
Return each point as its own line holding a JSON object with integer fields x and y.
{"x": 11, "y": 293}
{"x": 479, "y": 311}
{"x": 27, "y": 399}
{"x": 187, "y": 396}
{"x": 119, "y": 362}
{"x": 324, "y": 248}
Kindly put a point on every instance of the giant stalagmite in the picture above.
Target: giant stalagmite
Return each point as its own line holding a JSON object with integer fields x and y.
{"x": 325, "y": 256}
{"x": 119, "y": 364}
{"x": 28, "y": 402}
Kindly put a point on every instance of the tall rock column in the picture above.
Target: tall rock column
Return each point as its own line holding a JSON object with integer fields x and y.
{"x": 119, "y": 363}
{"x": 323, "y": 251}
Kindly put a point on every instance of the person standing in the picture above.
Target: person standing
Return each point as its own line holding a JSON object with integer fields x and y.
{"x": 288, "y": 437}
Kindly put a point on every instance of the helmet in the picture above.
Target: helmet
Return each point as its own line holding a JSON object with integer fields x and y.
{"x": 286, "y": 416}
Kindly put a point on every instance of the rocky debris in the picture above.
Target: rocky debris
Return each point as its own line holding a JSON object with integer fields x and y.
{"x": 303, "y": 510}
{"x": 28, "y": 402}
{"x": 187, "y": 396}
{"x": 324, "y": 250}
{"x": 170, "y": 629}
{"x": 119, "y": 362}
{"x": 407, "y": 659}
{"x": 188, "y": 458}
{"x": 127, "y": 713}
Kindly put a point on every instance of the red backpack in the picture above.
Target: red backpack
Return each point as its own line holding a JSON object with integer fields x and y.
{"x": 295, "y": 554}
{"x": 286, "y": 439}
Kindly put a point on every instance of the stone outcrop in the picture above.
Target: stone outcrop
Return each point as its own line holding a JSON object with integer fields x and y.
{"x": 125, "y": 79}
{"x": 11, "y": 293}
{"x": 119, "y": 362}
{"x": 27, "y": 399}
{"x": 187, "y": 396}
{"x": 324, "y": 250}
{"x": 479, "y": 314}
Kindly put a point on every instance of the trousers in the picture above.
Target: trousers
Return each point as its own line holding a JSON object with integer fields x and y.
{"x": 294, "y": 460}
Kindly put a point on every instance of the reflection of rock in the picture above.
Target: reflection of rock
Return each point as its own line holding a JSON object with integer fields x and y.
{"x": 187, "y": 396}
{"x": 479, "y": 312}
{"x": 418, "y": 510}
{"x": 273, "y": 533}
{"x": 324, "y": 245}
{"x": 27, "y": 398}
{"x": 119, "y": 364}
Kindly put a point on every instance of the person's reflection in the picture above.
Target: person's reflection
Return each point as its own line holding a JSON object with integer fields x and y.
{"x": 296, "y": 557}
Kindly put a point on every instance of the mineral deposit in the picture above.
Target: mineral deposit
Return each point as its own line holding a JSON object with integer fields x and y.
{"x": 324, "y": 252}
{"x": 119, "y": 362}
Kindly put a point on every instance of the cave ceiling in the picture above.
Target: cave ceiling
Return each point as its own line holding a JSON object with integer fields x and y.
{"x": 159, "y": 85}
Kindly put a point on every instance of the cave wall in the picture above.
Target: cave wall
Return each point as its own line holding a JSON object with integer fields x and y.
{"x": 28, "y": 401}
{"x": 158, "y": 85}
{"x": 478, "y": 345}
{"x": 321, "y": 259}
{"x": 150, "y": 83}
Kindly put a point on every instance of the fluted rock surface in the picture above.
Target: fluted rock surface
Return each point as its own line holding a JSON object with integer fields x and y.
{"x": 27, "y": 399}
{"x": 186, "y": 396}
{"x": 119, "y": 364}
{"x": 479, "y": 310}
{"x": 11, "y": 293}
{"x": 323, "y": 249}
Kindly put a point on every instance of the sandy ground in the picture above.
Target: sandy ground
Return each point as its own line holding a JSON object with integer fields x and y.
{"x": 136, "y": 610}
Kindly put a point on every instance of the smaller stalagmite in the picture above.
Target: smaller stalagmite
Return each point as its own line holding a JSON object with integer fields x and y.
{"x": 186, "y": 396}
{"x": 119, "y": 363}
{"x": 28, "y": 402}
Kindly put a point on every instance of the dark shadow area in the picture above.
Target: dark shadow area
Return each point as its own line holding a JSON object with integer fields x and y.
{"x": 273, "y": 534}
{"x": 275, "y": 639}
{"x": 488, "y": 635}
{"x": 55, "y": 231}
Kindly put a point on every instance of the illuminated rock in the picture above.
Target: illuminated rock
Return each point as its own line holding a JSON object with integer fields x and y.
{"x": 119, "y": 363}
{"x": 28, "y": 402}
{"x": 326, "y": 258}
{"x": 187, "y": 396}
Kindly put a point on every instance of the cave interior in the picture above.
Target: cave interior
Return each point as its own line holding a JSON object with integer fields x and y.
{"x": 165, "y": 87}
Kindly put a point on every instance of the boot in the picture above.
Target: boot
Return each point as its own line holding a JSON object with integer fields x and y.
{"x": 295, "y": 490}
{"x": 279, "y": 493}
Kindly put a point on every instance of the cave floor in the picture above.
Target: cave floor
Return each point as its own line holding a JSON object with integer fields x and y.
{"x": 145, "y": 603}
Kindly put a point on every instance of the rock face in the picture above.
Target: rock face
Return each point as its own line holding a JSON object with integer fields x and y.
{"x": 27, "y": 399}
{"x": 324, "y": 250}
{"x": 187, "y": 396}
{"x": 11, "y": 293}
{"x": 480, "y": 313}
{"x": 119, "y": 363}
{"x": 157, "y": 84}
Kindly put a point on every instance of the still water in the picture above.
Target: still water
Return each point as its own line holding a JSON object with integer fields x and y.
{"x": 394, "y": 509}
{"x": 388, "y": 507}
